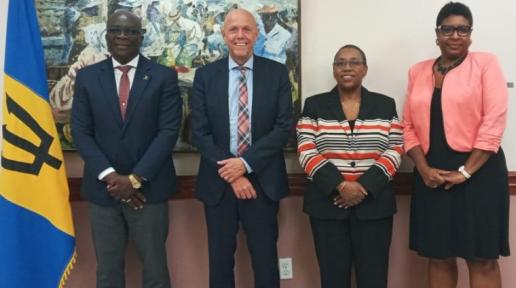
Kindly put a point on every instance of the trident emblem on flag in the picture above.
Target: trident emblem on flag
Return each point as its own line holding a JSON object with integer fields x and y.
{"x": 41, "y": 152}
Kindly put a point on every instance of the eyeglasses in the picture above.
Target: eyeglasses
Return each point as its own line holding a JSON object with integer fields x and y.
{"x": 448, "y": 30}
{"x": 126, "y": 31}
{"x": 352, "y": 64}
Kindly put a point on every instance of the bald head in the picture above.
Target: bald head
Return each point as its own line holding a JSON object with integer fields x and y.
{"x": 123, "y": 13}
{"x": 240, "y": 33}
{"x": 239, "y": 13}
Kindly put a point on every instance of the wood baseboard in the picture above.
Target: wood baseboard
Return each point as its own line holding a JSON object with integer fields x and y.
{"x": 297, "y": 185}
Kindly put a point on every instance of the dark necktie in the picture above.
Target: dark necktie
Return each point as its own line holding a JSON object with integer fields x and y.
{"x": 124, "y": 88}
{"x": 243, "y": 140}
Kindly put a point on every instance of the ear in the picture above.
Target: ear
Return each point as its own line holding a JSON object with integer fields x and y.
{"x": 436, "y": 33}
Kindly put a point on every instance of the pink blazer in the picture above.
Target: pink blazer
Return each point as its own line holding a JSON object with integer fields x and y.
{"x": 474, "y": 104}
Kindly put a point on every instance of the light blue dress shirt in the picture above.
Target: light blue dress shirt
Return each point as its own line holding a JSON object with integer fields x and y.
{"x": 234, "y": 95}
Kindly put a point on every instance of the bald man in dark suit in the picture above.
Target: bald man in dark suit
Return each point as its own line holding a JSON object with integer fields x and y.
{"x": 241, "y": 119}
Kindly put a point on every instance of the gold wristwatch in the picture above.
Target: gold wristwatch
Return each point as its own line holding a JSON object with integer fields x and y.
{"x": 134, "y": 182}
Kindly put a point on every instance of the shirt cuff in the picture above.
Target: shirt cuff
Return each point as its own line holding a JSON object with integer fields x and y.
{"x": 247, "y": 167}
{"x": 105, "y": 173}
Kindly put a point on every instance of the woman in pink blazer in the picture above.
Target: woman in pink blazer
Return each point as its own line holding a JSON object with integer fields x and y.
{"x": 454, "y": 118}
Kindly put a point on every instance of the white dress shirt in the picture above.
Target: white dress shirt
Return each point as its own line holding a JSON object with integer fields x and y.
{"x": 118, "y": 75}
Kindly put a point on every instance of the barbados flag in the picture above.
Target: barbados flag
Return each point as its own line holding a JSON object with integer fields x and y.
{"x": 37, "y": 243}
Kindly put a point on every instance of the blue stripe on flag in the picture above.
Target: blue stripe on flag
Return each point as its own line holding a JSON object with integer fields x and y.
{"x": 32, "y": 249}
{"x": 34, "y": 253}
{"x": 24, "y": 59}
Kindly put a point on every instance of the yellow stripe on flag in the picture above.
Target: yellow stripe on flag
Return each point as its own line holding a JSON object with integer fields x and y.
{"x": 37, "y": 193}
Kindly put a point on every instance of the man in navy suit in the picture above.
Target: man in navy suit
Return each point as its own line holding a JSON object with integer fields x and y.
{"x": 241, "y": 119}
{"x": 125, "y": 121}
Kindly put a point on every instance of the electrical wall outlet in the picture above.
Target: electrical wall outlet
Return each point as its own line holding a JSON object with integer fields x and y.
{"x": 285, "y": 268}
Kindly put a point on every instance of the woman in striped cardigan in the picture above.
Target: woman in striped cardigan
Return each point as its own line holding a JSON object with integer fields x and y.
{"x": 350, "y": 145}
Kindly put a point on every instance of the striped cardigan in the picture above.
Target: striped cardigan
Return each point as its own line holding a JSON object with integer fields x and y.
{"x": 330, "y": 152}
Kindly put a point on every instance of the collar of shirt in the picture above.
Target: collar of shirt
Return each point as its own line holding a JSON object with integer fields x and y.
{"x": 233, "y": 64}
{"x": 133, "y": 63}
{"x": 118, "y": 74}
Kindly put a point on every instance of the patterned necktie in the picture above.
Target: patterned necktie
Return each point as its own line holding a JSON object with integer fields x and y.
{"x": 243, "y": 140}
{"x": 123, "y": 88}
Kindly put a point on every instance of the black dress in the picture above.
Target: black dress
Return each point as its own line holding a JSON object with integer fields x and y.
{"x": 471, "y": 220}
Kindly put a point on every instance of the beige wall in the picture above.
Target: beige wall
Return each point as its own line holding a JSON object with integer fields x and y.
{"x": 396, "y": 34}
{"x": 188, "y": 261}
{"x": 188, "y": 251}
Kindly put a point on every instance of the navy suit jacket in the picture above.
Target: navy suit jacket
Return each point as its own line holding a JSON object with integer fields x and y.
{"x": 142, "y": 143}
{"x": 272, "y": 122}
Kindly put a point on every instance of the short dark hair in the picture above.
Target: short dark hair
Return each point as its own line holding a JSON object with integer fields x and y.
{"x": 454, "y": 8}
{"x": 351, "y": 46}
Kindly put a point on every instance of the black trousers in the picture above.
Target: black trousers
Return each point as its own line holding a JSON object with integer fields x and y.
{"x": 341, "y": 244}
{"x": 259, "y": 220}
{"x": 147, "y": 228}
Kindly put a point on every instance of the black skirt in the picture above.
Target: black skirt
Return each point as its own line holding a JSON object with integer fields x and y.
{"x": 471, "y": 220}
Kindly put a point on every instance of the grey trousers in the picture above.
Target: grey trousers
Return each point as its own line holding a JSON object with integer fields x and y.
{"x": 147, "y": 228}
